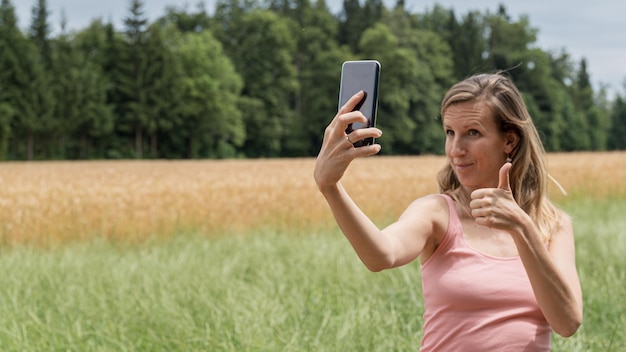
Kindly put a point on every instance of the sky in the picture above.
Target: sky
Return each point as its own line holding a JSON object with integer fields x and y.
{"x": 594, "y": 30}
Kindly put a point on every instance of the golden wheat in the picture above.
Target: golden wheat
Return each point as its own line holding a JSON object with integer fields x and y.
{"x": 56, "y": 202}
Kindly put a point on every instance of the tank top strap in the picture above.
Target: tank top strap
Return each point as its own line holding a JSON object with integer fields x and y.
{"x": 454, "y": 221}
{"x": 453, "y": 235}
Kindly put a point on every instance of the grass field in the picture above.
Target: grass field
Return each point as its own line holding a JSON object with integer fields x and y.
{"x": 244, "y": 256}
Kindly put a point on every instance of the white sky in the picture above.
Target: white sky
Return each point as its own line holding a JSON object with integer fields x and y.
{"x": 595, "y": 29}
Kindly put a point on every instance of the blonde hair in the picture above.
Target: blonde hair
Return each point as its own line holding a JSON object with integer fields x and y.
{"x": 528, "y": 175}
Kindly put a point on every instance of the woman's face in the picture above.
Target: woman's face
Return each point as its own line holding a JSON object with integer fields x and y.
{"x": 475, "y": 146}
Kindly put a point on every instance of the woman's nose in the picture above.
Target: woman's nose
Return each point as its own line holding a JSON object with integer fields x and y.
{"x": 457, "y": 148}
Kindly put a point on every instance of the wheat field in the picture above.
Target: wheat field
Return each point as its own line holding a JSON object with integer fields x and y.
{"x": 49, "y": 203}
{"x": 211, "y": 258}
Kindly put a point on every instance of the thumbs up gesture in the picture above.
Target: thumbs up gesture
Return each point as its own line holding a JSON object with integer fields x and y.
{"x": 496, "y": 207}
{"x": 504, "y": 183}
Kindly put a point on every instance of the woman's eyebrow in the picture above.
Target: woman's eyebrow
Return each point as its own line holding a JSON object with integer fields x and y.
{"x": 466, "y": 124}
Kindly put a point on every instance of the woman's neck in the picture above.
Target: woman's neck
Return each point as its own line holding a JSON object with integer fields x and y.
{"x": 463, "y": 197}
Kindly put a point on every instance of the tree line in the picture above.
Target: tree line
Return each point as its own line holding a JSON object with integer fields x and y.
{"x": 260, "y": 78}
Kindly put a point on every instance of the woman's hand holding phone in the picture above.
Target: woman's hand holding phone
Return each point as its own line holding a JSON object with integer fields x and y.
{"x": 360, "y": 75}
{"x": 337, "y": 151}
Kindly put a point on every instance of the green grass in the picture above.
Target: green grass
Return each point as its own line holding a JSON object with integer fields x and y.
{"x": 599, "y": 226}
{"x": 268, "y": 292}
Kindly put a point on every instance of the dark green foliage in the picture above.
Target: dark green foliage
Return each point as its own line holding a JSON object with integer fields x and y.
{"x": 187, "y": 21}
{"x": 356, "y": 18}
{"x": 263, "y": 56}
{"x": 24, "y": 84}
{"x": 210, "y": 120}
{"x": 81, "y": 108}
{"x": 260, "y": 78}
{"x": 617, "y": 134}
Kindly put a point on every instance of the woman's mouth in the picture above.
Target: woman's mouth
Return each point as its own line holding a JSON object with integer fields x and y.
{"x": 462, "y": 166}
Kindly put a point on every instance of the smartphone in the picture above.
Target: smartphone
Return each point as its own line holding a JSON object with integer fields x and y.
{"x": 355, "y": 76}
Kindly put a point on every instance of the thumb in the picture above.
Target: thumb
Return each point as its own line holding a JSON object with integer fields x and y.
{"x": 504, "y": 182}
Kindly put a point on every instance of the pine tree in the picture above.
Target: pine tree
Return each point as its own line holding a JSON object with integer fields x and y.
{"x": 356, "y": 18}
{"x": 134, "y": 62}
{"x": 8, "y": 63}
{"x": 187, "y": 22}
{"x": 597, "y": 117}
{"x": 39, "y": 34}
{"x": 21, "y": 98}
{"x": 618, "y": 123}
{"x": 40, "y": 31}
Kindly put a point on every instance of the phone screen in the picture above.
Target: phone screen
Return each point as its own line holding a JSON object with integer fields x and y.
{"x": 361, "y": 75}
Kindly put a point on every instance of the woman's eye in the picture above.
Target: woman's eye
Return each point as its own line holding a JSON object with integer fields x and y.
{"x": 473, "y": 133}
{"x": 449, "y": 133}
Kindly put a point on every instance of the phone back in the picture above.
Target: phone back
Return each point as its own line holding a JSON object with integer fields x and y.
{"x": 361, "y": 75}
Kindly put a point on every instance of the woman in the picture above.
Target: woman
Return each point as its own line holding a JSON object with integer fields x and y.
{"x": 497, "y": 258}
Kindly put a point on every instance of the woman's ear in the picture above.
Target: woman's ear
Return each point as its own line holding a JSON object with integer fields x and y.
{"x": 511, "y": 140}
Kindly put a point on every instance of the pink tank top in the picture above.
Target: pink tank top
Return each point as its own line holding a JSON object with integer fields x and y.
{"x": 477, "y": 302}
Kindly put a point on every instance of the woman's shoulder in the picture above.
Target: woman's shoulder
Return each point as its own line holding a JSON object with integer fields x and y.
{"x": 431, "y": 202}
{"x": 562, "y": 222}
{"x": 557, "y": 220}
{"x": 434, "y": 208}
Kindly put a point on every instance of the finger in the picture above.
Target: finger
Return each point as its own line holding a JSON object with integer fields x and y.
{"x": 476, "y": 203}
{"x": 353, "y": 116}
{"x": 341, "y": 121}
{"x": 366, "y": 150}
{"x": 504, "y": 181}
{"x": 486, "y": 221}
{"x": 478, "y": 213}
{"x": 363, "y": 133}
{"x": 479, "y": 193}
{"x": 351, "y": 103}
